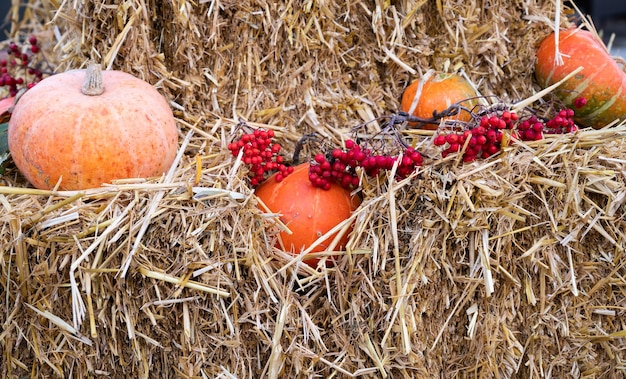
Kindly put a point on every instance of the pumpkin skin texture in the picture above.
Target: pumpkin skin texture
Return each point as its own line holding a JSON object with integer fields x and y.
{"x": 602, "y": 82}
{"x": 309, "y": 212}
{"x": 56, "y": 131}
{"x": 437, "y": 93}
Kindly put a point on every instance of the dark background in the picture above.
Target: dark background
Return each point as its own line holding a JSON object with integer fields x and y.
{"x": 609, "y": 15}
{"x": 5, "y": 25}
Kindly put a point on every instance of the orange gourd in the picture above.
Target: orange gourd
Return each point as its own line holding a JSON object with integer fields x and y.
{"x": 602, "y": 82}
{"x": 437, "y": 92}
{"x": 309, "y": 212}
{"x": 90, "y": 127}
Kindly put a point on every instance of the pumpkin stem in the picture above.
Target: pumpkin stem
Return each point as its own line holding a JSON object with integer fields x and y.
{"x": 93, "y": 86}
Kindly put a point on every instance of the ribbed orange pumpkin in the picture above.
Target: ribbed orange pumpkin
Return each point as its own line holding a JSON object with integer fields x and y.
{"x": 436, "y": 93}
{"x": 309, "y": 212}
{"x": 602, "y": 82}
{"x": 57, "y": 131}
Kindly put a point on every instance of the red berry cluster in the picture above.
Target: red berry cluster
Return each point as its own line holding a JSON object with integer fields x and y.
{"x": 260, "y": 155}
{"x": 485, "y": 139}
{"x": 340, "y": 166}
{"x": 562, "y": 123}
{"x": 482, "y": 141}
{"x": 533, "y": 128}
{"x": 17, "y": 69}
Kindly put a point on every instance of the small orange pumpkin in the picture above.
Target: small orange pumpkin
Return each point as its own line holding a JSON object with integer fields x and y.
{"x": 90, "y": 127}
{"x": 437, "y": 92}
{"x": 602, "y": 82}
{"x": 309, "y": 212}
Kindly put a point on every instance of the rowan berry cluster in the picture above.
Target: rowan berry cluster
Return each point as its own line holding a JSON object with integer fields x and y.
{"x": 261, "y": 155}
{"x": 484, "y": 138}
{"x": 20, "y": 68}
{"x": 340, "y": 165}
{"x": 562, "y": 123}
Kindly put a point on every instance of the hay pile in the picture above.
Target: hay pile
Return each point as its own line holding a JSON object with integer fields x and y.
{"x": 509, "y": 267}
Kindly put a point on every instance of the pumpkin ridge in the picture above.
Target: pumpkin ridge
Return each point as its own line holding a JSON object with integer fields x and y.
{"x": 134, "y": 156}
{"x": 316, "y": 227}
{"x": 29, "y": 136}
{"x": 77, "y": 138}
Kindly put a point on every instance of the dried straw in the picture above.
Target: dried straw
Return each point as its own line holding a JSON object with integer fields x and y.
{"x": 510, "y": 267}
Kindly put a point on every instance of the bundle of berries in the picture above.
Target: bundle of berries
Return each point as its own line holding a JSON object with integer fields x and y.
{"x": 19, "y": 68}
{"x": 340, "y": 165}
{"x": 485, "y": 139}
{"x": 261, "y": 155}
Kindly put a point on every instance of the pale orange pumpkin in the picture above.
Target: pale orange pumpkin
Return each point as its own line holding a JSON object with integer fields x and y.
{"x": 309, "y": 212}
{"x": 90, "y": 127}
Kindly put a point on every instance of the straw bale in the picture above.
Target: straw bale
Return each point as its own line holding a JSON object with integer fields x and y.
{"x": 505, "y": 268}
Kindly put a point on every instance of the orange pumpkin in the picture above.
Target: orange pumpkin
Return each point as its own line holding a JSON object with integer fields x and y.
{"x": 88, "y": 127}
{"x": 601, "y": 82}
{"x": 309, "y": 212}
{"x": 436, "y": 93}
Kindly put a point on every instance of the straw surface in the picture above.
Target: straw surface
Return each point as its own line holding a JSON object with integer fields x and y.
{"x": 510, "y": 267}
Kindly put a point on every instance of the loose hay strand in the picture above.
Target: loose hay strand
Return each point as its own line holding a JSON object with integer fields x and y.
{"x": 184, "y": 283}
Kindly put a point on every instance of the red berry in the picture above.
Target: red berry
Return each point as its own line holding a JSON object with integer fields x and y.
{"x": 355, "y": 181}
{"x": 580, "y": 102}
{"x": 440, "y": 140}
{"x": 454, "y": 147}
{"x": 492, "y": 149}
{"x": 469, "y": 158}
{"x": 452, "y": 138}
{"x": 478, "y": 131}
